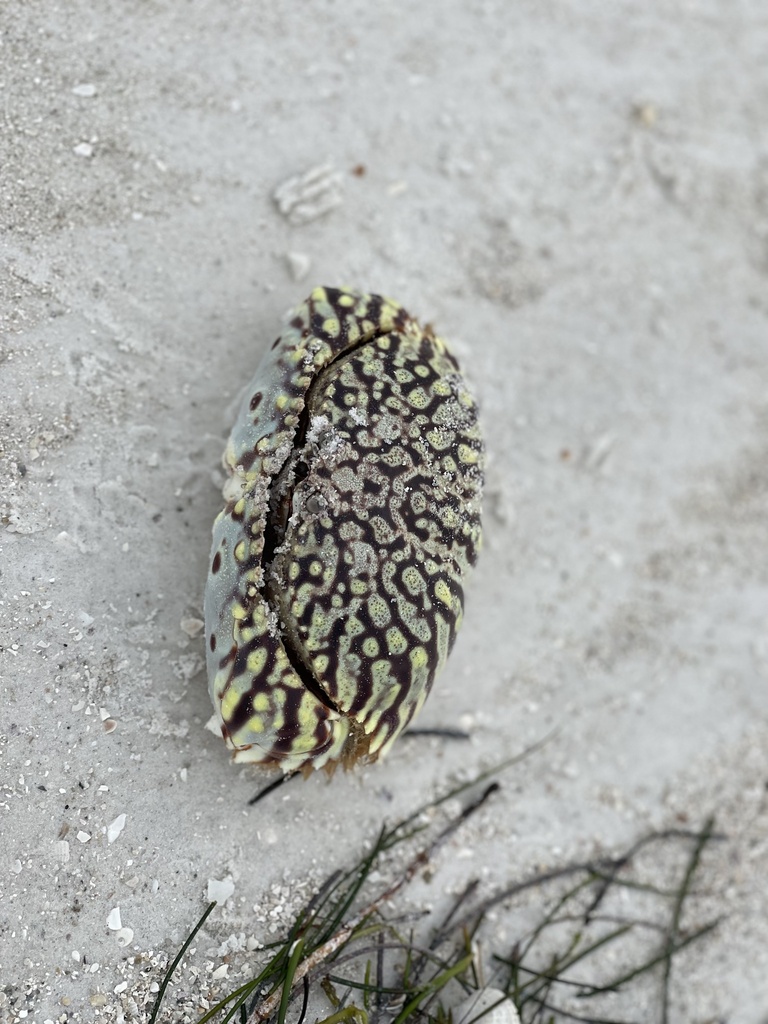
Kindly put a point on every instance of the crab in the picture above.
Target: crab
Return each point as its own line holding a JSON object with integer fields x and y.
{"x": 352, "y": 518}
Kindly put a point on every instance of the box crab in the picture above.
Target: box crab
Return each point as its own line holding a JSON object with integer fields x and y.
{"x": 336, "y": 580}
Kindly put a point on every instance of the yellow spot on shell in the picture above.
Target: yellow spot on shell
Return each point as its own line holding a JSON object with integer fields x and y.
{"x": 279, "y": 696}
{"x": 441, "y": 388}
{"x": 305, "y": 739}
{"x": 440, "y": 439}
{"x": 260, "y": 702}
{"x": 370, "y": 647}
{"x": 241, "y": 551}
{"x": 320, "y": 664}
{"x": 443, "y": 593}
{"x": 384, "y": 693}
{"x": 229, "y": 702}
{"x": 413, "y": 580}
{"x": 277, "y": 718}
{"x": 238, "y": 611}
{"x": 449, "y": 518}
{"x": 332, "y": 326}
{"x": 467, "y": 455}
{"x": 382, "y": 674}
{"x": 396, "y": 642}
{"x": 419, "y": 658}
{"x": 303, "y": 597}
{"x": 354, "y": 626}
{"x": 256, "y": 661}
{"x": 418, "y": 398}
{"x": 320, "y": 621}
{"x": 378, "y": 610}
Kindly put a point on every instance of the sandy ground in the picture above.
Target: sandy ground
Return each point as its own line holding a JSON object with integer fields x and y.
{"x": 577, "y": 197}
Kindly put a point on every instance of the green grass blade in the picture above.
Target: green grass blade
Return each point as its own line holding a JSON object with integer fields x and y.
{"x": 677, "y": 911}
{"x": 293, "y": 962}
{"x": 435, "y": 985}
{"x": 170, "y": 972}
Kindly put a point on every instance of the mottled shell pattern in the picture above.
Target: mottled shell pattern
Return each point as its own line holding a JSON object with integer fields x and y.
{"x": 353, "y": 516}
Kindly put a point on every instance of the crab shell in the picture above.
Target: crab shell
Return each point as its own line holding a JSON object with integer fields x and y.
{"x": 337, "y": 569}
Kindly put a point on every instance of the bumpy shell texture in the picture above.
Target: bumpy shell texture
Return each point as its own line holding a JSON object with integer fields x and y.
{"x": 336, "y": 580}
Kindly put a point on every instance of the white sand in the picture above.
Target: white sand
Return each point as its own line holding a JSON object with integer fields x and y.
{"x": 577, "y": 197}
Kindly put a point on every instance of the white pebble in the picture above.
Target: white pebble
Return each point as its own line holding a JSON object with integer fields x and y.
{"x": 306, "y": 197}
{"x": 298, "y": 265}
{"x": 113, "y": 921}
{"x": 212, "y": 725}
{"x": 192, "y": 627}
{"x": 115, "y": 828}
{"x": 86, "y": 89}
{"x": 220, "y": 891}
{"x": 83, "y": 837}
{"x": 596, "y": 454}
{"x": 125, "y": 937}
{"x": 83, "y": 149}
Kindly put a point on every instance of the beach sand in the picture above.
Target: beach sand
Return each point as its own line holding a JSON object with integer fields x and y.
{"x": 577, "y": 198}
